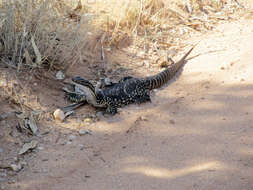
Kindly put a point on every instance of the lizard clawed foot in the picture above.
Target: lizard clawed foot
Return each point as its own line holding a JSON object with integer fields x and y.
{"x": 111, "y": 110}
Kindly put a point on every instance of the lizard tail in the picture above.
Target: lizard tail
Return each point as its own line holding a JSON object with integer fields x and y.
{"x": 161, "y": 78}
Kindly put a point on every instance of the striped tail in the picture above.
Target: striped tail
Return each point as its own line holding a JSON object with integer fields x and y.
{"x": 161, "y": 78}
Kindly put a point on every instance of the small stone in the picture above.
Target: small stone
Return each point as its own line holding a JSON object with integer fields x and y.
{"x": 60, "y": 75}
{"x": 1, "y": 150}
{"x": 87, "y": 120}
{"x": 16, "y": 167}
{"x": 28, "y": 146}
{"x": 69, "y": 142}
{"x": 41, "y": 148}
{"x": 222, "y": 68}
{"x": 72, "y": 137}
{"x": 232, "y": 63}
{"x": 23, "y": 163}
{"x": 11, "y": 181}
{"x": 99, "y": 114}
{"x": 84, "y": 132}
{"x": 3, "y": 83}
{"x": 143, "y": 118}
{"x": 107, "y": 81}
{"x": 3, "y": 116}
{"x": 81, "y": 146}
{"x": 59, "y": 115}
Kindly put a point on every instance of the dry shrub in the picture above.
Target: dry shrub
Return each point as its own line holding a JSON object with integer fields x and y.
{"x": 38, "y": 32}
{"x": 35, "y": 32}
{"x": 157, "y": 21}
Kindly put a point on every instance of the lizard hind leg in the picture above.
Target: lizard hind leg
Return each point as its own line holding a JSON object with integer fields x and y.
{"x": 143, "y": 98}
{"x": 112, "y": 110}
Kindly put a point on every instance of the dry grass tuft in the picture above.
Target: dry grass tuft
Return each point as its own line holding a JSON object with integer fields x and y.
{"x": 37, "y": 32}
{"x": 59, "y": 34}
{"x": 157, "y": 21}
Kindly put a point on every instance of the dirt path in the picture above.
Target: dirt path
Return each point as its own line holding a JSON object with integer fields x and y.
{"x": 196, "y": 133}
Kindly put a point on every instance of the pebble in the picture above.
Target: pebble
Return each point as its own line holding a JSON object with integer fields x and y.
{"x": 16, "y": 167}
{"x": 3, "y": 83}
{"x": 107, "y": 81}
{"x": 41, "y": 148}
{"x": 59, "y": 115}
{"x": 1, "y": 150}
{"x": 143, "y": 118}
{"x": 11, "y": 181}
{"x": 69, "y": 142}
{"x": 3, "y": 116}
{"x": 23, "y": 163}
{"x": 99, "y": 114}
{"x": 60, "y": 75}
{"x": 87, "y": 120}
{"x": 84, "y": 132}
{"x": 72, "y": 137}
{"x": 81, "y": 146}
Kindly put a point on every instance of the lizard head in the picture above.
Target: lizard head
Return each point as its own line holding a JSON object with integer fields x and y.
{"x": 81, "y": 81}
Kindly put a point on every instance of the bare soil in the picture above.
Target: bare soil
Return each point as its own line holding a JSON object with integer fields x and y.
{"x": 195, "y": 134}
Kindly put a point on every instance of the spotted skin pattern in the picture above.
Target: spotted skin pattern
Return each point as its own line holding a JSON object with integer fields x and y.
{"x": 129, "y": 89}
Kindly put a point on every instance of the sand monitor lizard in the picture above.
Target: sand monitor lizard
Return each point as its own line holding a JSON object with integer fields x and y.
{"x": 128, "y": 90}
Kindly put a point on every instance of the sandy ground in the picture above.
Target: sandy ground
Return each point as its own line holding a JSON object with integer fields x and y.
{"x": 196, "y": 133}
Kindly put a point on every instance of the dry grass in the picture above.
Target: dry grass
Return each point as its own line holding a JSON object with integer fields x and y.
{"x": 158, "y": 20}
{"x": 35, "y": 32}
